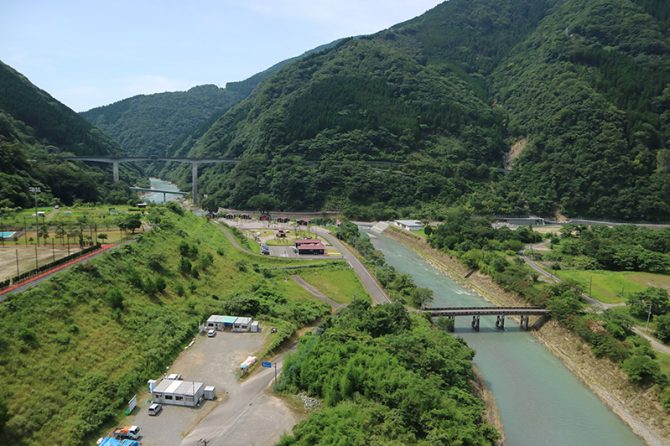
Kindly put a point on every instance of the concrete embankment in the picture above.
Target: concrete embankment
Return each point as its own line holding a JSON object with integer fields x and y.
{"x": 638, "y": 408}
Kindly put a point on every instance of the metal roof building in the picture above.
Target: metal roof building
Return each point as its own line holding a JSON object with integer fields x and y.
{"x": 242, "y": 324}
{"x": 219, "y": 322}
{"x": 178, "y": 392}
{"x": 410, "y": 225}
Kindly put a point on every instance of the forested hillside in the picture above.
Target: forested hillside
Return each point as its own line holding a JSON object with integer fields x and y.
{"x": 153, "y": 124}
{"x": 571, "y": 95}
{"x": 35, "y": 129}
{"x": 170, "y": 123}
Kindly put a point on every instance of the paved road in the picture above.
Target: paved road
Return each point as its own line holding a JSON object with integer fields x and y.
{"x": 656, "y": 345}
{"x": 369, "y": 282}
{"x": 251, "y": 415}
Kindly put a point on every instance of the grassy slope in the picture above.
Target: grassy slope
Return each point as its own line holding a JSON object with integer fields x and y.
{"x": 69, "y": 359}
{"x": 337, "y": 282}
{"x": 607, "y": 285}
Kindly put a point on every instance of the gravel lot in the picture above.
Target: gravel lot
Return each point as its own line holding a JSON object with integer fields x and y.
{"x": 243, "y": 414}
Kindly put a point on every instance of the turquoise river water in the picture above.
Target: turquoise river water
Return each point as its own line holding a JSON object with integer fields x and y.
{"x": 540, "y": 401}
{"x": 157, "y": 197}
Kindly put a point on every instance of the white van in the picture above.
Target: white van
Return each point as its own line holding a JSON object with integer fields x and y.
{"x": 155, "y": 409}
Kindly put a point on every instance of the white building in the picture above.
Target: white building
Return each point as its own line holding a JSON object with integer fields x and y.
{"x": 177, "y": 392}
{"x": 242, "y": 324}
{"x": 409, "y": 225}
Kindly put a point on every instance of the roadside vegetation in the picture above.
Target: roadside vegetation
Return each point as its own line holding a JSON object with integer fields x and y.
{"x": 401, "y": 287}
{"x": 385, "y": 376}
{"x": 495, "y": 252}
{"x": 77, "y": 347}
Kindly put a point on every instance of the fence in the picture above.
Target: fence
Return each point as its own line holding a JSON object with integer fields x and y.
{"x": 20, "y": 277}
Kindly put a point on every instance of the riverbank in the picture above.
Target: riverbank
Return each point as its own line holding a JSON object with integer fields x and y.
{"x": 637, "y": 408}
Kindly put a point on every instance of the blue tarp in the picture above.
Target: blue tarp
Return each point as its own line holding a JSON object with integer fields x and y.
{"x": 109, "y": 441}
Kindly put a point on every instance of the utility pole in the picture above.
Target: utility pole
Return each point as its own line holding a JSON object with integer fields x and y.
{"x": 590, "y": 285}
{"x": 17, "y": 262}
{"x": 648, "y": 317}
{"x": 36, "y": 190}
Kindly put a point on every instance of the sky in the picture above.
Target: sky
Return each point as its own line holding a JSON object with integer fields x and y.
{"x": 88, "y": 53}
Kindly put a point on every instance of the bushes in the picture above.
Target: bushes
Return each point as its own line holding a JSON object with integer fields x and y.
{"x": 386, "y": 378}
{"x": 400, "y": 286}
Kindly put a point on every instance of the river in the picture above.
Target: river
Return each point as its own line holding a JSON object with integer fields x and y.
{"x": 540, "y": 401}
{"x": 157, "y": 197}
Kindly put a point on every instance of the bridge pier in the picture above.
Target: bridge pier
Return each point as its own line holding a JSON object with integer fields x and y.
{"x": 524, "y": 321}
{"x": 500, "y": 322}
{"x": 194, "y": 182}
{"x": 475, "y": 322}
{"x": 115, "y": 171}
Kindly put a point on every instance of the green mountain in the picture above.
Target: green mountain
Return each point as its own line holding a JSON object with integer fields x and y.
{"x": 35, "y": 130}
{"x": 153, "y": 124}
{"x": 171, "y": 122}
{"x": 571, "y": 95}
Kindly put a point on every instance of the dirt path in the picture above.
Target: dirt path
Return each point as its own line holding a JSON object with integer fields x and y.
{"x": 638, "y": 408}
{"x": 598, "y": 306}
{"x": 316, "y": 293}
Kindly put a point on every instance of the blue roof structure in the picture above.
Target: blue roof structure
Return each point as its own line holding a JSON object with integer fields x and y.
{"x": 109, "y": 441}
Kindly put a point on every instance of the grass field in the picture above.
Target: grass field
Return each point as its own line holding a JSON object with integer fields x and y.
{"x": 340, "y": 283}
{"x": 607, "y": 286}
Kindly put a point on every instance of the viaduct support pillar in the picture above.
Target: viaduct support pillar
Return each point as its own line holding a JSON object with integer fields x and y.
{"x": 500, "y": 322}
{"x": 475, "y": 323}
{"x": 194, "y": 182}
{"x": 115, "y": 171}
{"x": 524, "y": 322}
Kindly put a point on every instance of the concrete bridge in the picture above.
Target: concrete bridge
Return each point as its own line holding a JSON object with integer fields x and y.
{"x": 164, "y": 192}
{"x": 499, "y": 312}
{"x": 381, "y": 166}
{"x": 195, "y": 162}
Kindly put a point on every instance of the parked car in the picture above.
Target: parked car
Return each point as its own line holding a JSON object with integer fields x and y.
{"x": 127, "y": 432}
{"x": 211, "y": 333}
{"x": 155, "y": 409}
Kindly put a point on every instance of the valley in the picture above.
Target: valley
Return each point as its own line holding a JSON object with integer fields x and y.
{"x": 333, "y": 250}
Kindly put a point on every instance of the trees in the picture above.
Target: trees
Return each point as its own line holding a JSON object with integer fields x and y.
{"x": 654, "y": 300}
{"x": 130, "y": 223}
{"x": 663, "y": 327}
{"x": 641, "y": 369}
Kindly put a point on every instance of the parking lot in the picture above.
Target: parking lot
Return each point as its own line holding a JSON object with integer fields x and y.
{"x": 243, "y": 413}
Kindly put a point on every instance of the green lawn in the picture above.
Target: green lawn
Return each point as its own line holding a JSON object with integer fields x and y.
{"x": 607, "y": 286}
{"x": 339, "y": 283}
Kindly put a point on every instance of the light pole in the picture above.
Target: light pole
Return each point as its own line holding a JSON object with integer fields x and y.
{"x": 36, "y": 190}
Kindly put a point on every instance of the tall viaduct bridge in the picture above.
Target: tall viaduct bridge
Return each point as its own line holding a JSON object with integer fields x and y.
{"x": 195, "y": 162}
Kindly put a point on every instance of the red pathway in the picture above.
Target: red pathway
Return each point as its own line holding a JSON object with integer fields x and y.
{"x": 55, "y": 269}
